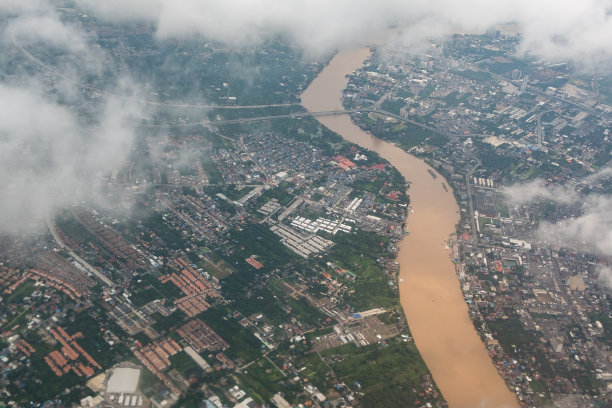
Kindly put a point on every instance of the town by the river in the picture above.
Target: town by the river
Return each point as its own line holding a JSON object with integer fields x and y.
{"x": 429, "y": 289}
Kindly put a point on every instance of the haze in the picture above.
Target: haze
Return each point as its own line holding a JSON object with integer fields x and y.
{"x": 44, "y": 144}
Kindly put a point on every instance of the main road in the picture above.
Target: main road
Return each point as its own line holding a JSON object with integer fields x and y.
{"x": 52, "y": 227}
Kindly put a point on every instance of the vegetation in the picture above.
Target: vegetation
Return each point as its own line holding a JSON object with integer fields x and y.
{"x": 242, "y": 342}
{"x": 73, "y": 229}
{"x": 474, "y": 75}
{"x": 168, "y": 290}
{"x": 270, "y": 303}
{"x": 141, "y": 213}
{"x": 141, "y": 295}
{"x": 263, "y": 379}
{"x": 279, "y": 193}
{"x": 388, "y": 376}
{"x": 359, "y": 253}
{"x": 256, "y": 239}
{"x": 191, "y": 399}
{"x": 393, "y": 106}
{"x": 210, "y": 168}
{"x": 24, "y": 290}
{"x": 184, "y": 364}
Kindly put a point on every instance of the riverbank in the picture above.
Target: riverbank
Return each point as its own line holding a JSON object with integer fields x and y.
{"x": 429, "y": 290}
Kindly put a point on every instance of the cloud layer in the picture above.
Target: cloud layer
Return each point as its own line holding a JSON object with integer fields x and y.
{"x": 605, "y": 275}
{"x": 590, "y": 230}
{"x": 47, "y": 159}
{"x": 577, "y": 30}
{"x": 538, "y": 189}
{"x": 52, "y": 154}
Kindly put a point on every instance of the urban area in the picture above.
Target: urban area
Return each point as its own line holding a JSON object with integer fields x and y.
{"x": 247, "y": 257}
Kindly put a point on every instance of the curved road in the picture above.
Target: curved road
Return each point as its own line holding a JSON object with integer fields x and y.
{"x": 77, "y": 258}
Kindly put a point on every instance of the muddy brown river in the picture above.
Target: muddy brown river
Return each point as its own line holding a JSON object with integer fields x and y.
{"x": 430, "y": 292}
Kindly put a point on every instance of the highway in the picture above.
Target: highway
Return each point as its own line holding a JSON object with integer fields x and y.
{"x": 209, "y": 123}
{"x": 468, "y": 185}
{"x": 304, "y": 114}
{"x": 77, "y": 258}
{"x": 216, "y": 106}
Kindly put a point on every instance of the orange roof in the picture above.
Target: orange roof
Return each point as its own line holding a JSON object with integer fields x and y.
{"x": 254, "y": 263}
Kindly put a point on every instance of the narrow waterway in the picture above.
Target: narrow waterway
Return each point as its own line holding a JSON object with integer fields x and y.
{"x": 430, "y": 293}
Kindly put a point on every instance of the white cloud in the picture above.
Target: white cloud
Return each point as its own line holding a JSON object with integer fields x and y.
{"x": 537, "y": 189}
{"x": 577, "y": 30}
{"x": 601, "y": 175}
{"x": 591, "y": 230}
{"x": 50, "y": 155}
{"x": 13, "y": 8}
{"x": 48, "y": 159}
{"x": 604, "y": 273}
{"x": 38, "y": 132}
{"x": 48, "y": 29}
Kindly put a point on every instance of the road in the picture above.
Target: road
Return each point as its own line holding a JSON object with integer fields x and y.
{"x": 539, "y": 126}
{"x": 215, "y": 106}
{"x": 531, "y": 88}
{"x": 350, "y": 111}
{"x": 209, "y": 123}
{"x": 468, "y": 181}
{"x": 322, "y": 113}
{"x": 52, "y": 227}
{"x": 385, "y": 96}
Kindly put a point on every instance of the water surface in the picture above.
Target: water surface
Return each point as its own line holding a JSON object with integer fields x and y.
{"x": 429, "y": 289}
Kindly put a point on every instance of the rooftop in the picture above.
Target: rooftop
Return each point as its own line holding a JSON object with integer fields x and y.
{"x": 123, "y": 380}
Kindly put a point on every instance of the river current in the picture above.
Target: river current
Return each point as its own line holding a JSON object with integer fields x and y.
{"x": 430, "y": 291}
